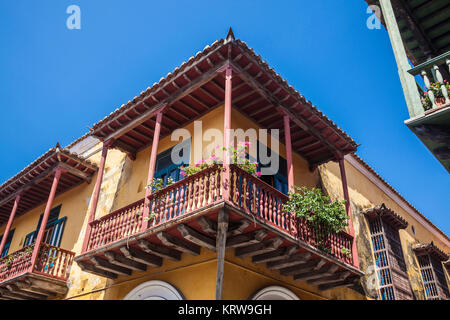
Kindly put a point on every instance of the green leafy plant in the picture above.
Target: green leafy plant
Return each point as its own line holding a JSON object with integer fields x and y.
{"x": 158, "y": 184}
{"x": 9, "y": 259}
{"x": 346, "y": 252}
{"x": 240, "y": 156}
{"x": 319, "y": 211}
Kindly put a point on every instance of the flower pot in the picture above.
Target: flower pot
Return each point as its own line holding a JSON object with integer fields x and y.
{"x": 439, "y": 101}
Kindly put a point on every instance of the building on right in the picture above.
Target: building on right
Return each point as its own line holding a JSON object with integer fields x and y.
{"x": 419, "y": 31}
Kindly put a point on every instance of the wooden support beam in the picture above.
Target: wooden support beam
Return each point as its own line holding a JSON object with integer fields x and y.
{"x": 222, "y": 227}
{"x": 234, "y": 228}
{"x": 207, "y": 225}
{"x": 102, "y": 264}
{"x": 297, "y": 120}
{"x": 344, "y": 283}
{"x": 246, "y": 239}
{"x": 122, "y": 261}
{"x": 16, "y": 290}
{"x": 238, "y": 227}
{"x": 323, "y": 272}
{"x": 196, "y": 237}
{"x": 303, "y": 267}
{"x": 290, "y": 261}
{"x": 160, "y": 251}
{"x": 281, "y": 253}
{"x": 142, "y": 257}
{"x": 10, "y": 295}
{"x": 329, "y": 279}
{"x": 258, "y": 248}
{"x": 178, "y": 244}
{"x": 184, "y": 91}
{"x": 76, "y": 172}
{"x": 27, "y": 286}
{"x": 59, "y": 289}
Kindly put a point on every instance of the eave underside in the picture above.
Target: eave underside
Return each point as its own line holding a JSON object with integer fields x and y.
{"x": 35, "y": 181}
{"x": 424, "y": 26}
{"x": 257, "y": 93}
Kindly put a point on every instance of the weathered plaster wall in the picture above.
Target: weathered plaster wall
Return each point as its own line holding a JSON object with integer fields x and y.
{"x": 364, "y": 195}
{"x": 193, "y": 276}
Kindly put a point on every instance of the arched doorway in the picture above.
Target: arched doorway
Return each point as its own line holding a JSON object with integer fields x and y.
{"x": 274, "y": 293}
{"x": 154, "y": 290}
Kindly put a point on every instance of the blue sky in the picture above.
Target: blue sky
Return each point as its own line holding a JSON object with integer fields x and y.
{"x": 54, "y": 82}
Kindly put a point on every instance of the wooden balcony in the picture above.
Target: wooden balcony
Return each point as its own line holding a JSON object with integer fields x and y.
{"x": 184, "y": 219}
{"x": 432, "y": 127}
{"x": 47, "y": 279}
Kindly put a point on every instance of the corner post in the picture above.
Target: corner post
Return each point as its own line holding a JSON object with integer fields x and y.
{"x": 349, "y": 212}
{"x": 151, "y": 169}
{"x": 227, "y": 132}
{"x": 222, "y": 228}
{"x": 48, "y": 207}
{"x": 287, "y": 137}
{"x": 408, "y": 82}
{"x": 95, "y": 196}
{"x": 10, "y": 221}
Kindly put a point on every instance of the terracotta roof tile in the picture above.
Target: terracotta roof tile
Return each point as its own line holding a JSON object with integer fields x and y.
{"x": 388, "y": 215}
{"x": 431, "y": 249}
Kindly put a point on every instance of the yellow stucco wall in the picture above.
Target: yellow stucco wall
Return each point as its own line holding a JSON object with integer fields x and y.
{"x": 364, "y": 194}
{"x": 124, "y": 182}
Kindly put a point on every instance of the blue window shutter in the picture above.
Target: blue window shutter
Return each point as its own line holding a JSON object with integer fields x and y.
{"x": 5, "y": 251}
{"x": 29, "y": 239}
{"x": 58, "y": 229}
{"x": 165, "y": 168}
{"x": 54, "y": 224}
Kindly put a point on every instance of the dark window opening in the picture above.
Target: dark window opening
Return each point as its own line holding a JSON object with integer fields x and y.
{"x": 277, "y": 179}
{"x": 53, "y": 230}
{"x": 5, "y": 251}
{"x": 166, "y": 168}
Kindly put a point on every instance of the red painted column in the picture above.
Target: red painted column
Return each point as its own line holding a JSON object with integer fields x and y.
{"x": 227, "y": 132}
{"x": 48, "y": 207}
{"x": 151, "y": 169}
{"x": 290, "y": 166}
{"x": 349, "y": 212}
{"x": 10, "y": 221}
{"x": 96, "y": 194}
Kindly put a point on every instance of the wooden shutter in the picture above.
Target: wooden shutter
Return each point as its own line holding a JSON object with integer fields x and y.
{"x": 433, "y": 278}
{"x": 393, "y": 279}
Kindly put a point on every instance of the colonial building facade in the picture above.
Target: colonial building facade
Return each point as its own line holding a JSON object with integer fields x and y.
{"x": 87, "y": 222}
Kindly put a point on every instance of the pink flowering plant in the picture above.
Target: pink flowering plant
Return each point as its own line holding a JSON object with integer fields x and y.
{"x": 238, "y": 155}
{"x": 435, "y": 87}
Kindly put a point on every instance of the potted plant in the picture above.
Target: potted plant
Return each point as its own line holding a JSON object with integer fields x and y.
{"x": 238, "y": 155}
{"x": 439, "y": 98}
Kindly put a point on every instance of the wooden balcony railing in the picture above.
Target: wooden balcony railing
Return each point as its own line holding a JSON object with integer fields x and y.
{"x": 431, "y": 72}
{"x": 185, "y": 196}
{"x": 52, "y": 261}
{"x": 257, "y": 198}
{"x": 247, "y": 193}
